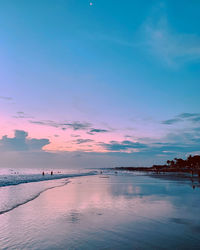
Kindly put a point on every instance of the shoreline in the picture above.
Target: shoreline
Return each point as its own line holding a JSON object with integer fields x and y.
{"x": 193, "y": 178}
{"x": 14, "y": 180}
{"x": 158, "y": 170}
{"x": 96, "y": 213}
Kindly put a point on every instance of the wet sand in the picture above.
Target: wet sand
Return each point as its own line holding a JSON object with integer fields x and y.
{"x": 119, "y": 212}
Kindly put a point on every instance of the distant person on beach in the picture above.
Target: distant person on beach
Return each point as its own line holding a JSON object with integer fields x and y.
{"x": 51, "y": 172}
{"x": 43, "y": 173}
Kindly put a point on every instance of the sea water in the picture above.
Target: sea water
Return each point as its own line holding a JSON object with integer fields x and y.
{"x": 19, "y": 186}
{"x": 105, "y": 211}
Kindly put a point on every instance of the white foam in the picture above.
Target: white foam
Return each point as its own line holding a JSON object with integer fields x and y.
{"x": 18, "y": 189}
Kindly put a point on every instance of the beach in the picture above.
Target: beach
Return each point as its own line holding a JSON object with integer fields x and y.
{"x": 108, "y": 211}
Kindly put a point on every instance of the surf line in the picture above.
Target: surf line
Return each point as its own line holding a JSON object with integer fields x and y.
{"x": 31, "y": 199}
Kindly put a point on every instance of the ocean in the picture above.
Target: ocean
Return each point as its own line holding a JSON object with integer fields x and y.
{"x": 100, "y": 211}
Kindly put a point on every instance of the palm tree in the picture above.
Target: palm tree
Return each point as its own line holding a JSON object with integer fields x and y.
{"x": 168, "y": 162}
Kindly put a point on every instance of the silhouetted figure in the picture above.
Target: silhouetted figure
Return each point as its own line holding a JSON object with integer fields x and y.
{"x": 51, "y": 172}
{"x": 43, "y": 173}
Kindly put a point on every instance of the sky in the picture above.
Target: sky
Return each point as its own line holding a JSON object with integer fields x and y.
{"x": 98, "y": 83}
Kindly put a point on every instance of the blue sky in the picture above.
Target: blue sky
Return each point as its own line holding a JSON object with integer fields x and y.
{"x": 129, "y": 70}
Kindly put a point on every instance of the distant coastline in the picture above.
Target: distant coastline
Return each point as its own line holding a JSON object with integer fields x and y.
{"x": 190, "y": 165}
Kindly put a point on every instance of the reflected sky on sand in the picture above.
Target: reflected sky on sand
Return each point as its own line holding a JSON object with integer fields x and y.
{"x": 119, "y": 212}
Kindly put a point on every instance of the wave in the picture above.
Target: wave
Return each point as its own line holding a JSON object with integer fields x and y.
{"x": 8, "y": 180}
{"x": 13, "y": 195}
{"x": 29, "y": 199}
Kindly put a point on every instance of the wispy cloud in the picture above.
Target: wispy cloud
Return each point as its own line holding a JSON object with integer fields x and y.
{"x": 22, "y": 115}
{"x": 191, "y": 117}
{"x": 81, "y": 141}
{"x": 73, "y": 125}
{"x": 6, "y": 98}
{"x": 72, "y": 135}
{"x": 188, "y": 115}
{"x": 123, "y": 146}
{"x": 46, "y": 123}
{"x": 95, "y": 130}
{"x": 170, "y": 46}
{"x": 171, "y": 121}
{"x": 196, "y": 119}
{"x": 77, "y": 125}
{"x": 159, "y": 37}
{"x": 98, "y": 130}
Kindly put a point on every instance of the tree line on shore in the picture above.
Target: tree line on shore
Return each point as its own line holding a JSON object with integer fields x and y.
{"x": 191, "y": 165}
